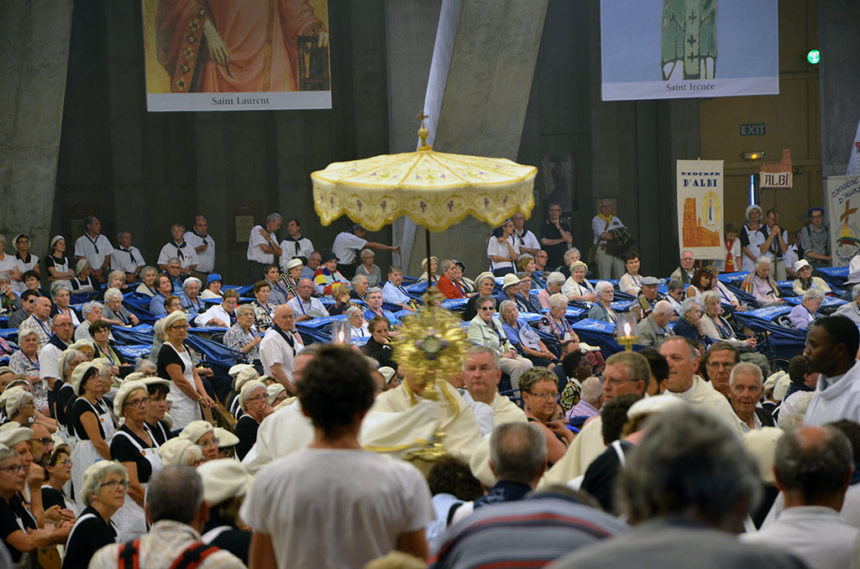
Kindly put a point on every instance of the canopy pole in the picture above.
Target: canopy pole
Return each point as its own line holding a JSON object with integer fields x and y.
{"x": 427, "y": 239}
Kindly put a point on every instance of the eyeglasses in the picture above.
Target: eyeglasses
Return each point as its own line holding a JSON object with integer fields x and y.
{"x": 65, "y": 461}
{"x": 615, "y": 382}
{"x": 140, "y": 402}
{"x": 545, "y": 395}
{"x": 256, "y": 398}
{"x": 15, "y": 468}
{"x": 488, "y": 308}
{"x": 114, "y": 484}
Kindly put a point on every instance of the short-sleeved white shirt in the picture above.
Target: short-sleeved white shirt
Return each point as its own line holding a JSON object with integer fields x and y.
{"x": 94, "y": 251}
{"x": 120, "y": 259}
{"x": 494, "y": 248}
{"x": 49, "y": 357}
{"x": 275, "y": 350}
{"x": 336, "y": 508}
{"x": 206, "y": 259}
{"x": 289, "y": 249}
{"x": 186, "y": 255}
{"x": 346, "y": 245}
{"x": 254, "y": 242}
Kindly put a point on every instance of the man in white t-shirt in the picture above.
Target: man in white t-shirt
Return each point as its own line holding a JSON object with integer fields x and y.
{"x": 204, "y": 246}
{"x": 263, "y": 248}
{"x": 295, "y": 245}
{"x": 347, "y": 244}
{"x": 279, "y": 347}
{"x": 126, "y": 257}
{"x": 178, "y": 247}
{"x": 306, "y": 513}
{"x": 94, "y": 247}
{"x": 304, "y": 305}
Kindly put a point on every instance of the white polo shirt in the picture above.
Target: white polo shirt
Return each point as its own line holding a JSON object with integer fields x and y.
{"x": 186, "y": 255}
{"x": 126, "y": 261}
{"x": 254, "y": 242}
{"x": 206, "y": 259}
{"x": 93, "y": 250}
{"x": 275, "y": 350}
{"x": 346, "y": 245}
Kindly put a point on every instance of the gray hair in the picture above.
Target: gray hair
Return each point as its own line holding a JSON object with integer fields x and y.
{"x": 570, "y": 253}
{"x": 6, "y": 453}
{"x": 148, "y": 268}
{"x": 746, "y": 367}
{"x": 142, "y": 363}
{"x": 709, "y": 296}
{"x": 689, "y": 304}
{"x": 95, "y": 475}
{"x": 689, "y": 462}
{"x": 601, "y": 286}
{"x": 112, "y": 293}
{"x": 357, "y": 279}
{"x": 477, "y": 350}
{"x": 813, "y": 294}
{"x": 244, "y": 309}
{"x": 675, "y": 284}
{"x": 664, "y": 307}
{"x": 506, "y": 304}
{"x": 518, "y": 452}
{"x": 366, "y": 253}
{"x": 25, "y": 332}
{"x": 58, "y": 286}
{"x": 763, "y": 260}
{"x": 555, "y": 278}
{"x": 557, "y": 300}
{"x": 445, "y": 264}
{"x": 480, "y": 280}
{"x": 815, "y": 470}
{"x": 90, "y": 306}
{"x": 73, "y": 357}
{"x": 351, "y": 310}
{"x": 175, "y": 493}
{"x": 173, "y": 260}
{"x": 191, "y": 280}
{"x": 374, "y": 289}
{"x": 272, "y": 217}
{"x": 592, "y": 389}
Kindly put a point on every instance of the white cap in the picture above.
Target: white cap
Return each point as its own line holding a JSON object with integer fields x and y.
{"x": 761, "y": 444}
{"x": 244, "y": 377}
{"x": 234, "y": 370}
{"x": 178, "y": 450}
{"x": 225, "y": 438}
{"x": 11, "y": 434}
{"x": 248, "y": 388}
{"x": 195, "y": 429}
{"x": 125, "y": 389}
{"x": 274, "y": 390}
{"x": 223, "y": 479}
{"x": 654, "y": 405}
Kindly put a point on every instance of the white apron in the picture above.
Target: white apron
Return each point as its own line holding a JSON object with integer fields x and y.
{"x": 130, "y": 519}
{"x": 183, "y": 409}
{"x": 85, "y": 454}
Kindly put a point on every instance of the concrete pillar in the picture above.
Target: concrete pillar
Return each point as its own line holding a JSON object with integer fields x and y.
{"x": 480, "y": 79}
{"x": 35, "y": 46}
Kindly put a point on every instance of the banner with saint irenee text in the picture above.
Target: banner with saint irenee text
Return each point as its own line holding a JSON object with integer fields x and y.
{"x": 843, "y": 213}
{"x": 232, "y": 55}
{"x": 682, "y": 49}
{"x": 700, "y": 207}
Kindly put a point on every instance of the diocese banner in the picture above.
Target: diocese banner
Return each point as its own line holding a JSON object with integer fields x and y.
{"x": 676, "y": 49}
{"x": 700, "y": 207}
{"x": 226, "y": 55}
{"x": 843, "y": 199}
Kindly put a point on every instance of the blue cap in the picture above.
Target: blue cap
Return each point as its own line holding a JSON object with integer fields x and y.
{"x": 213, "y": 277}
{"x": 814, "y": 209}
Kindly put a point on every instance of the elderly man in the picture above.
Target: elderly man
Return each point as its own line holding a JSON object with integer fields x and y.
{"x": 291, "y": 501}
{"x": 747, "y": 386}
{"x": 831, "y": 347}
{"x": 571, "y": 256}
{"x": 654, "y": 330}
{"x": 304, "y": 305}
{"x": 601, "y": 226}
{"x": 526, "y": 239}
{"x": 688, "y": 485}
{"x": 812, "y": 467}
{"x": 360, "y": 286}
{"x": 719, "y": 361}
{"x": 481, "y": 376}
{"x": 177, "y": 511}
{"x": 203, "y": 245}
{"x": 555, "y": 235}
{"x": 815, "y": 239}
{"x": 685, "y": 271}
{"x": 39, "y": 320}
{"x": 683, "y": 360}
{"x": 126, "y": 257}
{"x": 174, "y": 274}
{"x": 263, "y": 248}
{"x": 179, "y": 248}
{"x": 851, "y": 309}
{"x": 279, "y": 347}
{"x": 94, "y": 247}
{"x": 805, "y": 312}
{"x": 649, "y": 295}
{"x": 49, "y": 354}
{"x": 348, "y": 243}
{"x": 314, "y": 262}
{"x": 393, "y": 291}
{"x": 374, "y": 307}
{"x": 625, "y": 372}
{"x": 222, "y": 315}
{"x": 675, "y": 294}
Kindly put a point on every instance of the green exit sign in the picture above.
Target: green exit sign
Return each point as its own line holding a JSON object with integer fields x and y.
{"x": 752, "y": 129}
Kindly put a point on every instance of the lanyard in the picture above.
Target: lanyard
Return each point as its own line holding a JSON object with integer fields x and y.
{"x": 34, "y": 364}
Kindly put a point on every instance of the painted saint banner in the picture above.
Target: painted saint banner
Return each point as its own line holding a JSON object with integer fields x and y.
{"x": 234, "y": 56}
{"x": 843, "y": 210}
{"x": 700, "y": 207}
{"x": 677, "y": 49}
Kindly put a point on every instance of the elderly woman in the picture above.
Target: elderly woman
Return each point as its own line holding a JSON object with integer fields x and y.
{"x": 135, "y": 446}
{"x": 26, "y": 360}
{"x": 263, "y": 309}
{"x": 202, "y": 434}
{"x": 225, "y": 483}
{"x": 18, "y": 405}
{"x": 805, "y": 312}
{"x": 485, "y": 283}
{"x": 242, "y": 337}
{"x": 291, "y": 277}
{"x": 689, "y": 325}
{"x": 539, "y": 387}
{"x": 9, "y": 299}
{"x": 56, "y": 262}
{"x": 502, "y": 250}
{"x": 701, "y": 281}
{"x": 715, "y": 326}
{"x": 805, "y": 280}
{"x": 156, "y": 410}
{"x": 116, "y": 279}
{"x": 760, "y": 283}
{"x": 378, "y": 346}
{"x": 577, "y": 288}
{"x": 58, "y": 471}
{"x": 524, "y": 337}
{"x": 148, "y": 275}
{"x": 61, "y": 292}
{"x": 602, "y": 309}
{"x": 357, "y": 325}
{"x": 631, "y": 281}
{"x": 368, "y": 269}
{"x": 554, "y": 282}
{"x": 190, "y": 298}
{"x": 434, "y": 265}
{"x": 174, "y": 363}
{"x": 114, "y": 310}
{"x": 181, "y": 452}
{"x": 278, "y": 293}
{"x": 91, "y": 424}
{"x": 221, "y": 315}
{"x": 254, "y": 401}
{"x": 100, "y": 332}
{"x": 163, "y": 289}
{"x": 104, "y": 492}
{"x": 485, "y": 330}
{"x": 213, "y": 287}
{"x": 17, "y": 524}
{"x": 83, "y": 281}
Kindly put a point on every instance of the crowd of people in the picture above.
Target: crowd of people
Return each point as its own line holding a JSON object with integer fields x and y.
{"x": 160, "y": 456}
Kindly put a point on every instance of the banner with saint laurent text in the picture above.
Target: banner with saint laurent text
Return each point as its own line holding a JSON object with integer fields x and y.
{"x": 236, "y": 56}
{"x": 843, "y": 205}
{"x": 678, "y": 49}
{"x": 700, "y": 207}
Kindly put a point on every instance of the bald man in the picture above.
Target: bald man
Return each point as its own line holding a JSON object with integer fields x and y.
{"x": 279, "y": 347}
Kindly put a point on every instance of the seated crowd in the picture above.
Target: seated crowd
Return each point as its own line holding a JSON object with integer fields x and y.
{"x": 139, "y": 402}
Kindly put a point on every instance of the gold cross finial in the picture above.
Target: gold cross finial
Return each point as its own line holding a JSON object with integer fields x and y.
{"x": 422, "y": 130}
